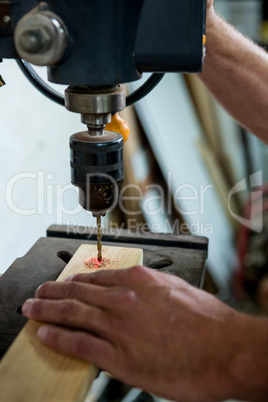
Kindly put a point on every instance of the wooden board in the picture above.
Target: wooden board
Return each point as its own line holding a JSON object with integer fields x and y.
{"x": 31, "y": 372}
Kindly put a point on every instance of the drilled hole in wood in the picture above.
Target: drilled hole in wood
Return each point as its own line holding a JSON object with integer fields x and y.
{"x": 64, "y": 256}
{"x": 160, "y": 264}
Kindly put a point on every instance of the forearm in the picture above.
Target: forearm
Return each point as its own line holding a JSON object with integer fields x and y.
{"x": 236, "y": 73}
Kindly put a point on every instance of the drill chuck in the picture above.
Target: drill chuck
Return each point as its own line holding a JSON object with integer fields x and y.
{"x": 97, "y": 169}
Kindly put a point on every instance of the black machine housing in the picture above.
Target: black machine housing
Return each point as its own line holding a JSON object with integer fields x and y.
{"x": 94, "y": 46}
{"x": 114, "y": 41}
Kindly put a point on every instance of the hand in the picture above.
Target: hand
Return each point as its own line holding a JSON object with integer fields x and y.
{"x": 148, "y": 329}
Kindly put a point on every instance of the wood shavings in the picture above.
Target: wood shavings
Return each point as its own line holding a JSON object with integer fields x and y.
{"x": 96, "y": 264}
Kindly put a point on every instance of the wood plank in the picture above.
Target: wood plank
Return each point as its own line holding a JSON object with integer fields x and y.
{"x": 205, "y": 107}
{"x": 31, "y": 372}
{"x": 219, "y": 181}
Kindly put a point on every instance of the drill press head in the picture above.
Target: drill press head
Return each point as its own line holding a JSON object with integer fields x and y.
{"x": 93, "y": 46}
{"x": 96, "y": 154}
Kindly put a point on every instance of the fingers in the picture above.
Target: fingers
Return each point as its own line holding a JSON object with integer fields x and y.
{"x": 87, "y": 293}
{"x": 130, "y": 278}
{"x": 100, "y": 278}
{"x": 118, "y": 277}
{"x": 79, "y": 344}
{"x": 112, "y": 299}
{"x": 68, "y": 313}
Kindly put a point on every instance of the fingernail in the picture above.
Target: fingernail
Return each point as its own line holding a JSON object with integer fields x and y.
{"x": 27, "y": 306}
{"x": 68, "y": 278}
{"x": 42, "y": 333}
{"x": 37, "y": 290}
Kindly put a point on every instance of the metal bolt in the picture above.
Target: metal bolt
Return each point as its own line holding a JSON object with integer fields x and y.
{"x": 41, "y": 37}
{"x": 35, "y": 41}
{"x": 6, "y": 19}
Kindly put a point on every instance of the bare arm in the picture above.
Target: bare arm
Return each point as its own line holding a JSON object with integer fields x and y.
{"x": 236, "y": 73}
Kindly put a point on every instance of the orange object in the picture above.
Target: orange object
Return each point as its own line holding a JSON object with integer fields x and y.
{"x": 118, "y": 125}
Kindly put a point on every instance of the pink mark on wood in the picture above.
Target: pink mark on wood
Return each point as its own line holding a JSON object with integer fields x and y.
{"x": 96, "y": 264}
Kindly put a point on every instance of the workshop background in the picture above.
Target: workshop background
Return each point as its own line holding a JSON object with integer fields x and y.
{"x": 184, "y": 156}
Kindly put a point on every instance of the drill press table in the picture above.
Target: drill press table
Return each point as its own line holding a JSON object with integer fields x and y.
{"x": 183, "y": 256}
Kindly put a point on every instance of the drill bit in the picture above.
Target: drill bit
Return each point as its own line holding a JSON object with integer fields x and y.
{"x": 99, "y": 246}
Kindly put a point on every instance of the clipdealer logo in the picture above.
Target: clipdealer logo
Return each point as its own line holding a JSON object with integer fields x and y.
{"x": 45, "y": 197}
{"x": 254, "y": 220}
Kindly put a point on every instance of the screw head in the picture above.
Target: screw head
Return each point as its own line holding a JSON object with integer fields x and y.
{"x": 35, "y": 41}
{"x": 6, "y": 19}
{"x": 41, "y": 37}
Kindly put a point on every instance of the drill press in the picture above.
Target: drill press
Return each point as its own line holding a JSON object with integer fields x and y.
{"x": 94, "y": 47}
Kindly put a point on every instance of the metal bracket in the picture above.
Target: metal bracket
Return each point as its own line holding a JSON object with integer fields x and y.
{"x": 6, "y": 19}
{"x": 2, "y": 81}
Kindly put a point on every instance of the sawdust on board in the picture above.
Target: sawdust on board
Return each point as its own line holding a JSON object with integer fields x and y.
{"x": 96, "y": 264}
